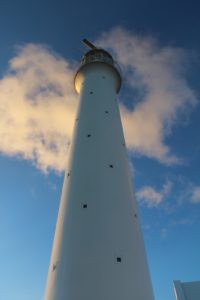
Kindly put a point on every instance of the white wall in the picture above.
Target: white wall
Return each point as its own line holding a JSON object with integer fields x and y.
{"x": 90, "y": 241}
{"x": 187, "y": 290}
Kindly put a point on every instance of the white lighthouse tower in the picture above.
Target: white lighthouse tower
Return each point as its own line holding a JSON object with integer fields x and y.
{"x": 98, "y": 250}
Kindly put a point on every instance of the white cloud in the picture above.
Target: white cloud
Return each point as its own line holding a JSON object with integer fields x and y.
{"x": 38, "y": 102}
{"x": 157, "y": 73}
{"x": 196, "y": 195}
{"x": 149, "y": 196}
{"x": 152, "y": 198}
{"x": 37, "y": 105}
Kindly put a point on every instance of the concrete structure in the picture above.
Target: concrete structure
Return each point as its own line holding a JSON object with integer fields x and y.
{"x": 98, "y": 250}
{"x": 187, "y": 290}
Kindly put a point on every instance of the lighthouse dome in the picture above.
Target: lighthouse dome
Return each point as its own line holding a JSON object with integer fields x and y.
{"x": 95, "y": 55}
{"x": 101, "y": 59}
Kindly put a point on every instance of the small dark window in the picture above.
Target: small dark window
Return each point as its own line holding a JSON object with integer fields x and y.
{"x": 89, "y": 135}
{"x": 54, "y": 267}
{"x": 76, "y": 119}
{"x": 119, "y": 259}
{"x": 111, "y": 166}
{"x": 106, "y": 111}
{"x": 135, "y": 215}
{"x": 68, "y": 174}
{"x": 84, "y": 205}
{"x": 123, "y": 144}
{"x": 103, "y": 77}
{"x": 91, "y": 92}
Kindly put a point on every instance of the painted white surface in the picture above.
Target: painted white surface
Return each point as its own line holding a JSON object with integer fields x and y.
{"x": 89, "y": 240}
{"x": 187, "y": 290}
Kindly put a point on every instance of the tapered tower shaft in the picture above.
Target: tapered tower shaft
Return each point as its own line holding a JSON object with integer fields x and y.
{"x": 98, "y": 251}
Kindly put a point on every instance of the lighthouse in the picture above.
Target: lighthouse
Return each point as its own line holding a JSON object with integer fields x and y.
{"x": 98, "y": 250}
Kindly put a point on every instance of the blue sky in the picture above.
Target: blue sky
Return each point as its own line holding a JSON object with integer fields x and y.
{"x": 157, "y": 46}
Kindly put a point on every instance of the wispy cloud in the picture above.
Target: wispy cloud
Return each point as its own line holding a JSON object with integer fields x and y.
{"x": 170, "y": 226}
{"x": 152, "y": 198}
{"x": 195, "y": 198}
{"x": 149, "y": 196}
{"x": 187, "y": 191}
{"x": 38, "y": 103}
{"x": 184, "y": 192}
{"x": 157, "y": 74}
{"x": 184, "y": 221}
